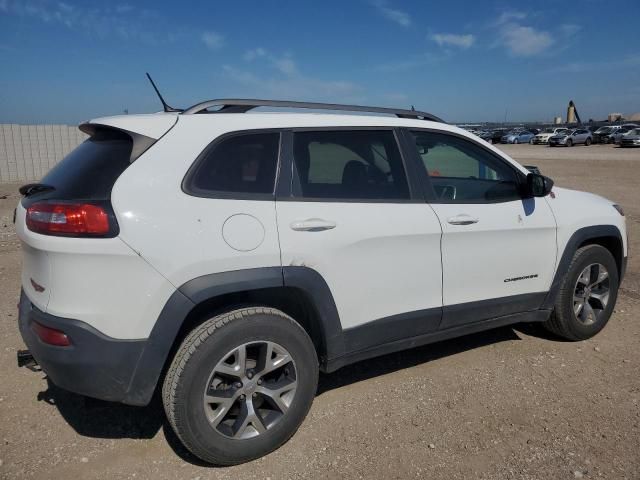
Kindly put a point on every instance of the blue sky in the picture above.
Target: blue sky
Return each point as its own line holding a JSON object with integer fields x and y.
{"x": 67, "y": 61}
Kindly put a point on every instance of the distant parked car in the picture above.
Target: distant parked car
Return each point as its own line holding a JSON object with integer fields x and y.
{"x": 496, "y": 135}
{"x": 517, "y": 137}
{"x": 601, "y": 135}
{"x": 571, "y": 138}
{"x": 543, "y": 137}
{"x": 618, "y": 134}
{"x": 486, "y": 135}
{"x": 631, "y": 139}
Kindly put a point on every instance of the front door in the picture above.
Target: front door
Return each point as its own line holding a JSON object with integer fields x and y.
{"x": 498, "y": 249}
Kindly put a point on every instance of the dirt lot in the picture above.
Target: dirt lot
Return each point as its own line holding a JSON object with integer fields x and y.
{"x": 510, "y": 403}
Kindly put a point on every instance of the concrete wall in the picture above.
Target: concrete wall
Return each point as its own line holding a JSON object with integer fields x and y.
{"x": 27, "y": 152}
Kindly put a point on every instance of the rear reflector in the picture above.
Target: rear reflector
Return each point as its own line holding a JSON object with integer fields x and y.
{"x": 50, "y": 336}
{"x": 68, "y": 219}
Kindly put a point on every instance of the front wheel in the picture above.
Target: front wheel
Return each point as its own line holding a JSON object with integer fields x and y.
{"x": 587, "y": 142}
{"x": 240, "y": 385}
{"x": 587, "y": 295}
{"x": 569, "y": 143}
{"x": 515, "y": 141}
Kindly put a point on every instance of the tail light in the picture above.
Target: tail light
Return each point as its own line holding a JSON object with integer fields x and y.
{"x": 70, "y": 219}
{"x": 50, "y": 335}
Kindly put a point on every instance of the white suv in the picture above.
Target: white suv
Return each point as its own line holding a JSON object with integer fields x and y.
{"x": 224, "y": 257}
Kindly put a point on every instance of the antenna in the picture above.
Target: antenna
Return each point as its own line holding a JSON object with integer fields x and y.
{"x": 165, "y": 107}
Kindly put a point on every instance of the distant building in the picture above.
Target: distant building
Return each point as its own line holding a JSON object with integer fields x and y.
{"x": 635, "y": 117}
{"x": 614, "y": 117}
{"x": 557, "y": 120}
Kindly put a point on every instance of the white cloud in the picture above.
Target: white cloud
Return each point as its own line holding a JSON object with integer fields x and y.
{"x": 524, "y": 41}
{"x": 251, "y": 55}
{"x": 510, "y": 16}
{"x": 122, "y": 21}
{"x": 398, "y": 16}
{"x": 453, "y": 40}
{"x": 212, "y": 40}
{"x": 286, "y": 65}
{"x": 628, "y": 61}
{"x": 569, "y": 29}
{"x": 292, "y": 85}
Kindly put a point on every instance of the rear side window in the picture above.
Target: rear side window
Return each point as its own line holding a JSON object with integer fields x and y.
{"x": 349, "y": 165}
{"x": 90, "y": 171}
{"x": 244, "y": 164}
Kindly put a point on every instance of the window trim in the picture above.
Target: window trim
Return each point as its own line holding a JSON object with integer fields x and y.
{"x": 293, "y": 194}
{"x": 187, "y": 181}
{"x": 425, "y": 177}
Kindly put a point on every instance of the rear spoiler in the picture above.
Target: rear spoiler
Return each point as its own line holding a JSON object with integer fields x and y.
{"x": 141, "y": 143}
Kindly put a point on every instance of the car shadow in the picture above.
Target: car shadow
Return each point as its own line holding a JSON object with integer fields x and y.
{"x": 101, "y": 419}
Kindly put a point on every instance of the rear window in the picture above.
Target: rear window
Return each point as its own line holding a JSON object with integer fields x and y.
{"x": 91, "y": 170}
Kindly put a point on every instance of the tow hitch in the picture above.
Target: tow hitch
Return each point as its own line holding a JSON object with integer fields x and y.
{"x": 25, "y": 359}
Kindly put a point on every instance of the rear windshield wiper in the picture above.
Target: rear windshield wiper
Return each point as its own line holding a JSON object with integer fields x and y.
{"x": 31, "y": 188}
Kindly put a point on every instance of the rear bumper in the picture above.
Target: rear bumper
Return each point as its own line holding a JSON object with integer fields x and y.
{"x": 94, "y": 365}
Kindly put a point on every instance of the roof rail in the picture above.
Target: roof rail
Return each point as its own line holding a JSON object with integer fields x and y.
{"x": 242, "y": 105}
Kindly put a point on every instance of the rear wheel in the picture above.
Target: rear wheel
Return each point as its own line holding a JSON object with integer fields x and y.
{"x": 240, "y": 385}
{"x": 569, "y": 143}
{"x": 587, "y": 295}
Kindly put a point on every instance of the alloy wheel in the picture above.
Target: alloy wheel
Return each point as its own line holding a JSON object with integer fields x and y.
{"x": 250, "y": 390}
{"x": 591, "y": 294}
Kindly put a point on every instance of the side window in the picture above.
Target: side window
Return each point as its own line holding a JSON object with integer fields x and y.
{"x": 463, "y": 172}
{"x": 244, "y": 163}
{"x": 349, "y": 165}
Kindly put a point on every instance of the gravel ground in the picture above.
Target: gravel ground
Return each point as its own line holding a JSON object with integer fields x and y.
{"x": 509, "y": 403}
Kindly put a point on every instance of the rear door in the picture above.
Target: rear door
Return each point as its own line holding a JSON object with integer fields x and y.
{"x": 498, "y": 249}
{"x": 353, "y": 216}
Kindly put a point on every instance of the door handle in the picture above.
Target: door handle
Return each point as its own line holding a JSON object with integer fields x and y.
{"x": 312, "y": 225}
{"x": 462, "y": 219}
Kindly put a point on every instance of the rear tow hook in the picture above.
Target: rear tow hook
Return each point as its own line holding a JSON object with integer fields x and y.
{"x": 25, "y": 359}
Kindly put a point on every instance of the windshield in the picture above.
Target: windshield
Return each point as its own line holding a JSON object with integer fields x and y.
{"x": 548, "y": 130}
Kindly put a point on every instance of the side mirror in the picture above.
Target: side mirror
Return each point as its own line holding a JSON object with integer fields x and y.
{"x": 538, "y": 185}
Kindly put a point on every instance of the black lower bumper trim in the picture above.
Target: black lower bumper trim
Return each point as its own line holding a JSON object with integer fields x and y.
{"x": 94, "y": 365}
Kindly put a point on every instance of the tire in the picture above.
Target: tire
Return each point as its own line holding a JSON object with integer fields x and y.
{"x": 515, "y": 141}
{"x": 531, "y": 142}
{"x": 256, "y": 331}
{"x": 587, "y": 142}
{"x": 569, "y": 143}
{"x": 564, "y": 321}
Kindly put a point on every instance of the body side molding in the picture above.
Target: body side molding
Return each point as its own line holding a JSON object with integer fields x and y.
{"x": 435, "y": 336}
